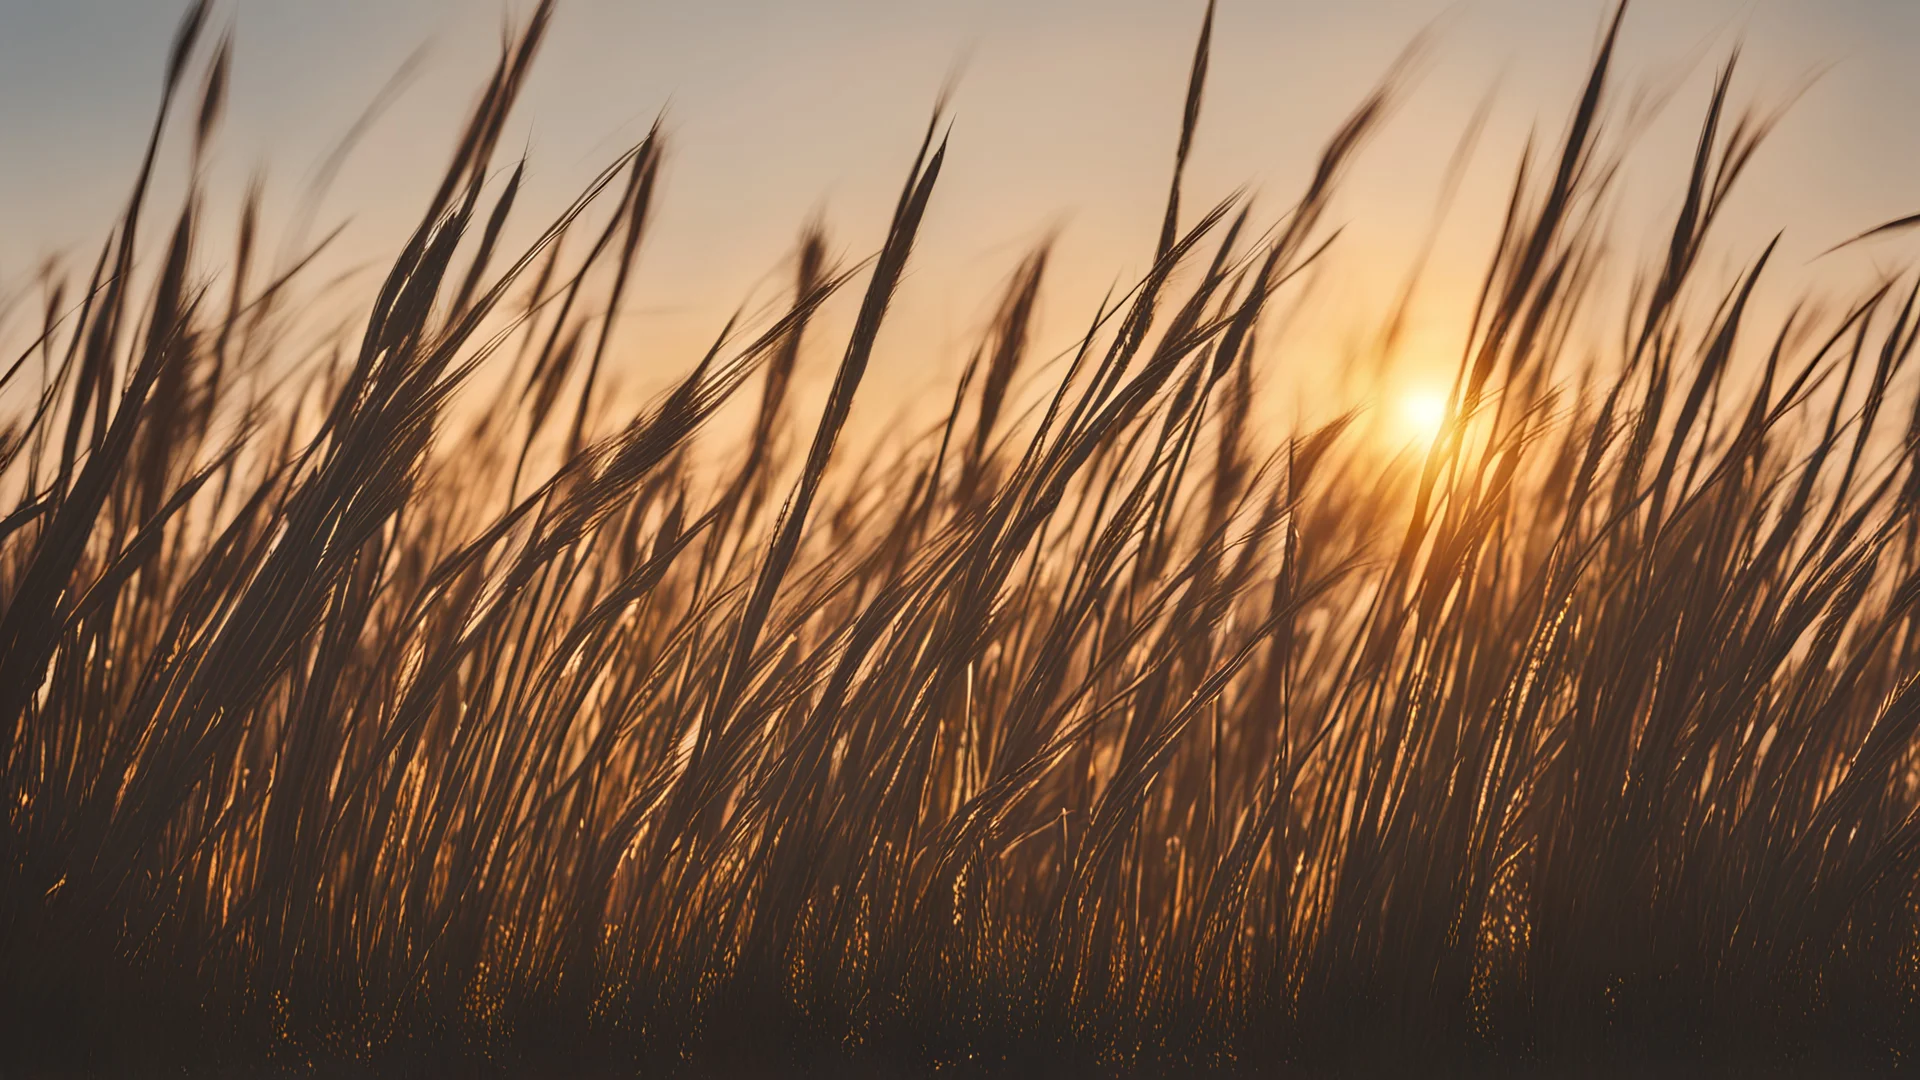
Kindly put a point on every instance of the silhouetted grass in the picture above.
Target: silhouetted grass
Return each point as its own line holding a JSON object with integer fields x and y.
{"x": 355, "y": 725}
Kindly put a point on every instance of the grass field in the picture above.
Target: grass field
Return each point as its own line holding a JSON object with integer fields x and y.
{"x": 365, "y": 718}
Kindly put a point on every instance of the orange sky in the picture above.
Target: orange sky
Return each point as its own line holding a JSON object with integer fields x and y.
{"x": 1065, "y": 117}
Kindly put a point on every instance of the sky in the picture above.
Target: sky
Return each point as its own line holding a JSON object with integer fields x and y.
{"x": 1064, "y": 121}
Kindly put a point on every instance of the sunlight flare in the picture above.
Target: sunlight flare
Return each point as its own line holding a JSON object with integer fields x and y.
{"x": 1422, "y": 413}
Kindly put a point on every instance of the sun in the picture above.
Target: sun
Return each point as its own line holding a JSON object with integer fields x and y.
{"x": 1422, "y": 413}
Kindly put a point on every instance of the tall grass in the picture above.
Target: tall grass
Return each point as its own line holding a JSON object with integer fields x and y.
{"x": 350, "y": 722}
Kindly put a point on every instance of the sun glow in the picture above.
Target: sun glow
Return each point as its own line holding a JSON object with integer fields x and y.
{"x": 1421, "y": 414}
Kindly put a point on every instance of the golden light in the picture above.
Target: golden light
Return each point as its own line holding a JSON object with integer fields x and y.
{"x": 1422, "y": 412}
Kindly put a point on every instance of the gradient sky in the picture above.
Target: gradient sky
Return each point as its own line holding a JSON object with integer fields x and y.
{"x": 1065, "y": 118}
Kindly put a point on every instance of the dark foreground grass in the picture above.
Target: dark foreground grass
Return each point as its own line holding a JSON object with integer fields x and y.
{"x": 345, "y": 732}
